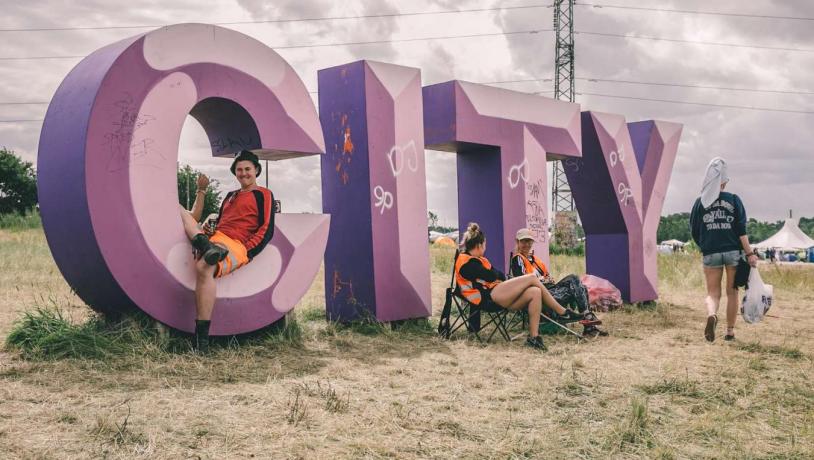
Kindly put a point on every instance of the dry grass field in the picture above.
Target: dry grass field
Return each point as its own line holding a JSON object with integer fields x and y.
{"x": 653, "y": 389}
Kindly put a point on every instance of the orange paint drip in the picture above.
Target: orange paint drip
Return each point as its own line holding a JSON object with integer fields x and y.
{"x": 348, "y": 146}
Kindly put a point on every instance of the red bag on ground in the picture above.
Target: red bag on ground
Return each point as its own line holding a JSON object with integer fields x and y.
{"x": 602, "y": 294}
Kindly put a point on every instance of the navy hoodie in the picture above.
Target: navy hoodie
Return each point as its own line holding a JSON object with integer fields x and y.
{"x": 719, "y": 227}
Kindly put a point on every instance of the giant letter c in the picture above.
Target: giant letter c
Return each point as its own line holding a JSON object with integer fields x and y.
{"x": 107, "y": 172}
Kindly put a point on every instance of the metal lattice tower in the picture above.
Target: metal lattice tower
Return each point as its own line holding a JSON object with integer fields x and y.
{"x": 563, "y": 89}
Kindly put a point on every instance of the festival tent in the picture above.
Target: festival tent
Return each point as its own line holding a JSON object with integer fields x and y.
{"x": 435, "y": 235}
{"x": 788, "y": 238}
{"x": 673, "y": 242}
{"x": 445, "y": 241}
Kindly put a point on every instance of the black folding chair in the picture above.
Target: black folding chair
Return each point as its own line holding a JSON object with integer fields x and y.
{"x": 469, "y": 315}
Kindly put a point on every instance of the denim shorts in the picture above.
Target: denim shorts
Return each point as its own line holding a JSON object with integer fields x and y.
{"x": 719, "y": 259}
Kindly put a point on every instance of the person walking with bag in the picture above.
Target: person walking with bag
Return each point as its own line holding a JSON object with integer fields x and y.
{"x": 718, "y": 226}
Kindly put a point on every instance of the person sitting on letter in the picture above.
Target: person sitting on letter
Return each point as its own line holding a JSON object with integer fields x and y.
{"x": 244, "y": 227}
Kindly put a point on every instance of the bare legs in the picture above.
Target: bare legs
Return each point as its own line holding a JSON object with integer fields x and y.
{"x": 526, "y": 292}
{"x": 190, "y": 224}
{"x": 205, "y": 288}
{"x": 714, "y": 276}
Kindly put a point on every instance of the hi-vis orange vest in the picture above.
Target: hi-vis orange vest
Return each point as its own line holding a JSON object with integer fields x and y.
{"x": 467, "y": 287}
{"x": 528, "y": 266}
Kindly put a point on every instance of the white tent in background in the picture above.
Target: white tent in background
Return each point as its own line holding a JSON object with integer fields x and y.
{"x": 788, "y": 238}
{"x": 673, "y": 242}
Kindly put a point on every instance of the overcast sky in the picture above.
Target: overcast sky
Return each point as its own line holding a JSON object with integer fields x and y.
{"x": 771, "y": 153}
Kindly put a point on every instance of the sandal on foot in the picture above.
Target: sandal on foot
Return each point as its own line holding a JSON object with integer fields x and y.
{"x": 709, "y": 331}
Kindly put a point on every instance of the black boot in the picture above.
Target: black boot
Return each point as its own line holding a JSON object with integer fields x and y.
{"x": 202, "y": 336}
{"x": 201, "y": 243}
{"x": 215, "y": 254}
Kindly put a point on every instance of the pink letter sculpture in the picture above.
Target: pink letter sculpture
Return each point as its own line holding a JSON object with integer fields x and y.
{"x": 107, "y": 173}
{"x": 373, "y": 185}
{"x": 619, "y": 186}
{"x": 503, "y": 139}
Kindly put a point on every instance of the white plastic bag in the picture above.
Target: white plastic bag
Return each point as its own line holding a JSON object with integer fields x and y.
{"x": 757, "y": 299}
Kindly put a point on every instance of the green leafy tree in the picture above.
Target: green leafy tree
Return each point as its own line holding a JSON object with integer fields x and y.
{"x": 187, "y": 186}
{"x": 18, "y": 184}
{"x": 674, "y": 227}
{"x": 807, "y": 225}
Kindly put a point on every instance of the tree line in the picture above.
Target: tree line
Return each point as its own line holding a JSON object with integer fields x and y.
{"x": 677, "y": 226}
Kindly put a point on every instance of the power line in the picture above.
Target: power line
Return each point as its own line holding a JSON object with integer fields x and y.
{"x": 712, "y": 13}
{"x": 320, "y": 45}
{"x": 450, "y": 37}
{"x": 588, "y": 79}
{"x": 695, "y": 42}
{"x": 680, "y": 85}
{"x": 706, "y": 104}
{"x": 276, "y": 21}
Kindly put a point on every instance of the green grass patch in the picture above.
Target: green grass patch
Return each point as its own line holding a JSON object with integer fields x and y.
{"x": 287, "y": 334}
{"x": 441, "y": 258}
{"x": 757, "y": 347}
{"x": 313, "y": 314}
{"x": 19, "y": 222}
{"x": 46, "y": 334}
{"x": 680, "y": 387}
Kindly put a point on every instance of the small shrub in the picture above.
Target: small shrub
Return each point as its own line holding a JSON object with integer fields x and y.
{"x": 634, "y": 430}
{"x": 297, "y": 409}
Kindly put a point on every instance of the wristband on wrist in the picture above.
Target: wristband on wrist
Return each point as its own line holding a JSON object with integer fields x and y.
{"x": 201, "y": 191}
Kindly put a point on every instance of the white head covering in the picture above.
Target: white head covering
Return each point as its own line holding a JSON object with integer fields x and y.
{"x": 715, "y": 176}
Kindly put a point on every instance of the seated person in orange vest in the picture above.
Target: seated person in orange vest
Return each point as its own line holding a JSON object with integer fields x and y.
{"x": 568, "y": 290}
{"x": 244, "y": 226}
{"x": 480, "y": 283}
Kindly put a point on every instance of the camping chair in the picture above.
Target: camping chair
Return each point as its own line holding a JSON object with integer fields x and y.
{"x": 467, "y": 314}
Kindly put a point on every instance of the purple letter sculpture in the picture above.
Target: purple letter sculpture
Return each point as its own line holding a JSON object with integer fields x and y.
{"x": 619, "y": 186}
{"x": 373, "y": 185}
{"x": 503, "y": 139}
{"x": 107, "y": 173}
